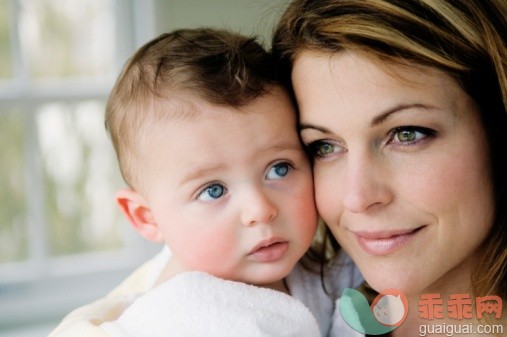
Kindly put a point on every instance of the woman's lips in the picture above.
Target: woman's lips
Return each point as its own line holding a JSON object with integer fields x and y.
{"x": 385, "y": 242}
{"x": 269, "y": 251}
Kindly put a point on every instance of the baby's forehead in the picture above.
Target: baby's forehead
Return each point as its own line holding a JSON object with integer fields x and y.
{"x": 202, "y": 118}
{"x": 269, "y": 114}
{"x": 203, "y": 139}
{"x": 188, "y": 105}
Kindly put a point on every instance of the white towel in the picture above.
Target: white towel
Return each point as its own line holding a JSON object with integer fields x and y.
{"x": 198, "y": 304}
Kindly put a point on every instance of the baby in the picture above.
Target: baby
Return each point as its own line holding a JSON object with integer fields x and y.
{"x": 206, "y": 139}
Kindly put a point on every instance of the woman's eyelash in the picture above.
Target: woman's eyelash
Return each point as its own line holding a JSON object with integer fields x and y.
{"x": 320, "y": 149}
{"x": 402, "y": 136}
{"x": 408, "y": 135}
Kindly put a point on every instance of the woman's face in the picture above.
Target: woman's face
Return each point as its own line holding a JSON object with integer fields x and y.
{"x": 401, "y": 167}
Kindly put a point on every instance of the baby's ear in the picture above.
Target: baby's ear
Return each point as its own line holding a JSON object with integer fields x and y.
{"x": 139, "y": 214}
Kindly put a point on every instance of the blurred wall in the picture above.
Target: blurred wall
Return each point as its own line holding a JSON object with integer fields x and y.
{"x": 249, "y": 17}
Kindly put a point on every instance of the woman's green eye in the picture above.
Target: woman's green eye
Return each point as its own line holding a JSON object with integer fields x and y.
{"x": 324, "y": 149}
{"x": 321, "y": 149}
{"x": 406, "y": 136}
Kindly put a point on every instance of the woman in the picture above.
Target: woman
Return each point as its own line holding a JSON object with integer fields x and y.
{"x": 403, "y": 109}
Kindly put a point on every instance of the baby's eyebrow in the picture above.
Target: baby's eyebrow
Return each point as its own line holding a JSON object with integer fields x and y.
{"x": 283, "y": 147}
{"x": 199, "y": 172}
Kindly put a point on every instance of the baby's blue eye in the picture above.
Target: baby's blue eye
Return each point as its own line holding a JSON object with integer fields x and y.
{"x": 278, "y": 171}
{"x": 212, "y": 192}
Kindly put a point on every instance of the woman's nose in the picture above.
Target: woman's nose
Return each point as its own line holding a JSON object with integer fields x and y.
{"x": 366, "y": 184}
{"x": 257, "y": 207}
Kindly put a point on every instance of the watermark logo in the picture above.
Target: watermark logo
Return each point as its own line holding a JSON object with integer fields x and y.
{"x": 390, "y": 307}
{"x": 459, "y": 306}
{"x": 387, "y": 312}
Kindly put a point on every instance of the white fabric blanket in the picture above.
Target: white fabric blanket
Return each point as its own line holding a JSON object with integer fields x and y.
{"x": 198, "y": 304}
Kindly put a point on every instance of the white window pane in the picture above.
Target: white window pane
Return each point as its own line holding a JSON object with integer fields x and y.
{"x": 68, "y": 38}
{"x": 13, "y": 228}
{"x": 81, "y": 178}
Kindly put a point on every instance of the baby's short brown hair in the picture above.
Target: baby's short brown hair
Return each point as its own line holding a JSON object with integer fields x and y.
{"x": 217, "y": 66}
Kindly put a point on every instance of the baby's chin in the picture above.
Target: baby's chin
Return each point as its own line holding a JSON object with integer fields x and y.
{"x": 271, "y": 277}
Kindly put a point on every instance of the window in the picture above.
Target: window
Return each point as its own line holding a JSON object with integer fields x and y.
{"x": 58, "y": 172}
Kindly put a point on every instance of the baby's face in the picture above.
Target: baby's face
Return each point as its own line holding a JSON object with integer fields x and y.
{"x": 231, "y": 191}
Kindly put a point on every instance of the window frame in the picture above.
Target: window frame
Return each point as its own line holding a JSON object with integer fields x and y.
{"x": 46, "y": 288}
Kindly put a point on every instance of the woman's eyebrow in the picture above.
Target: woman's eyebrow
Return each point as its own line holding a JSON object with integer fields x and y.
{"x": 399, "y": 108}
{"x": 382, "y": 117}
{"x": 305, "y": 126}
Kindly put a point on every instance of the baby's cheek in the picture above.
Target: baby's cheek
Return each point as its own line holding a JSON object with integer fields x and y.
{"x": 209, "y": 252}
{"x": 305, "y": 212}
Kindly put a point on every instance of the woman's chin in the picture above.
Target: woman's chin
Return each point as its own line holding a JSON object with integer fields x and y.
{"x": 381, "y": 279}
